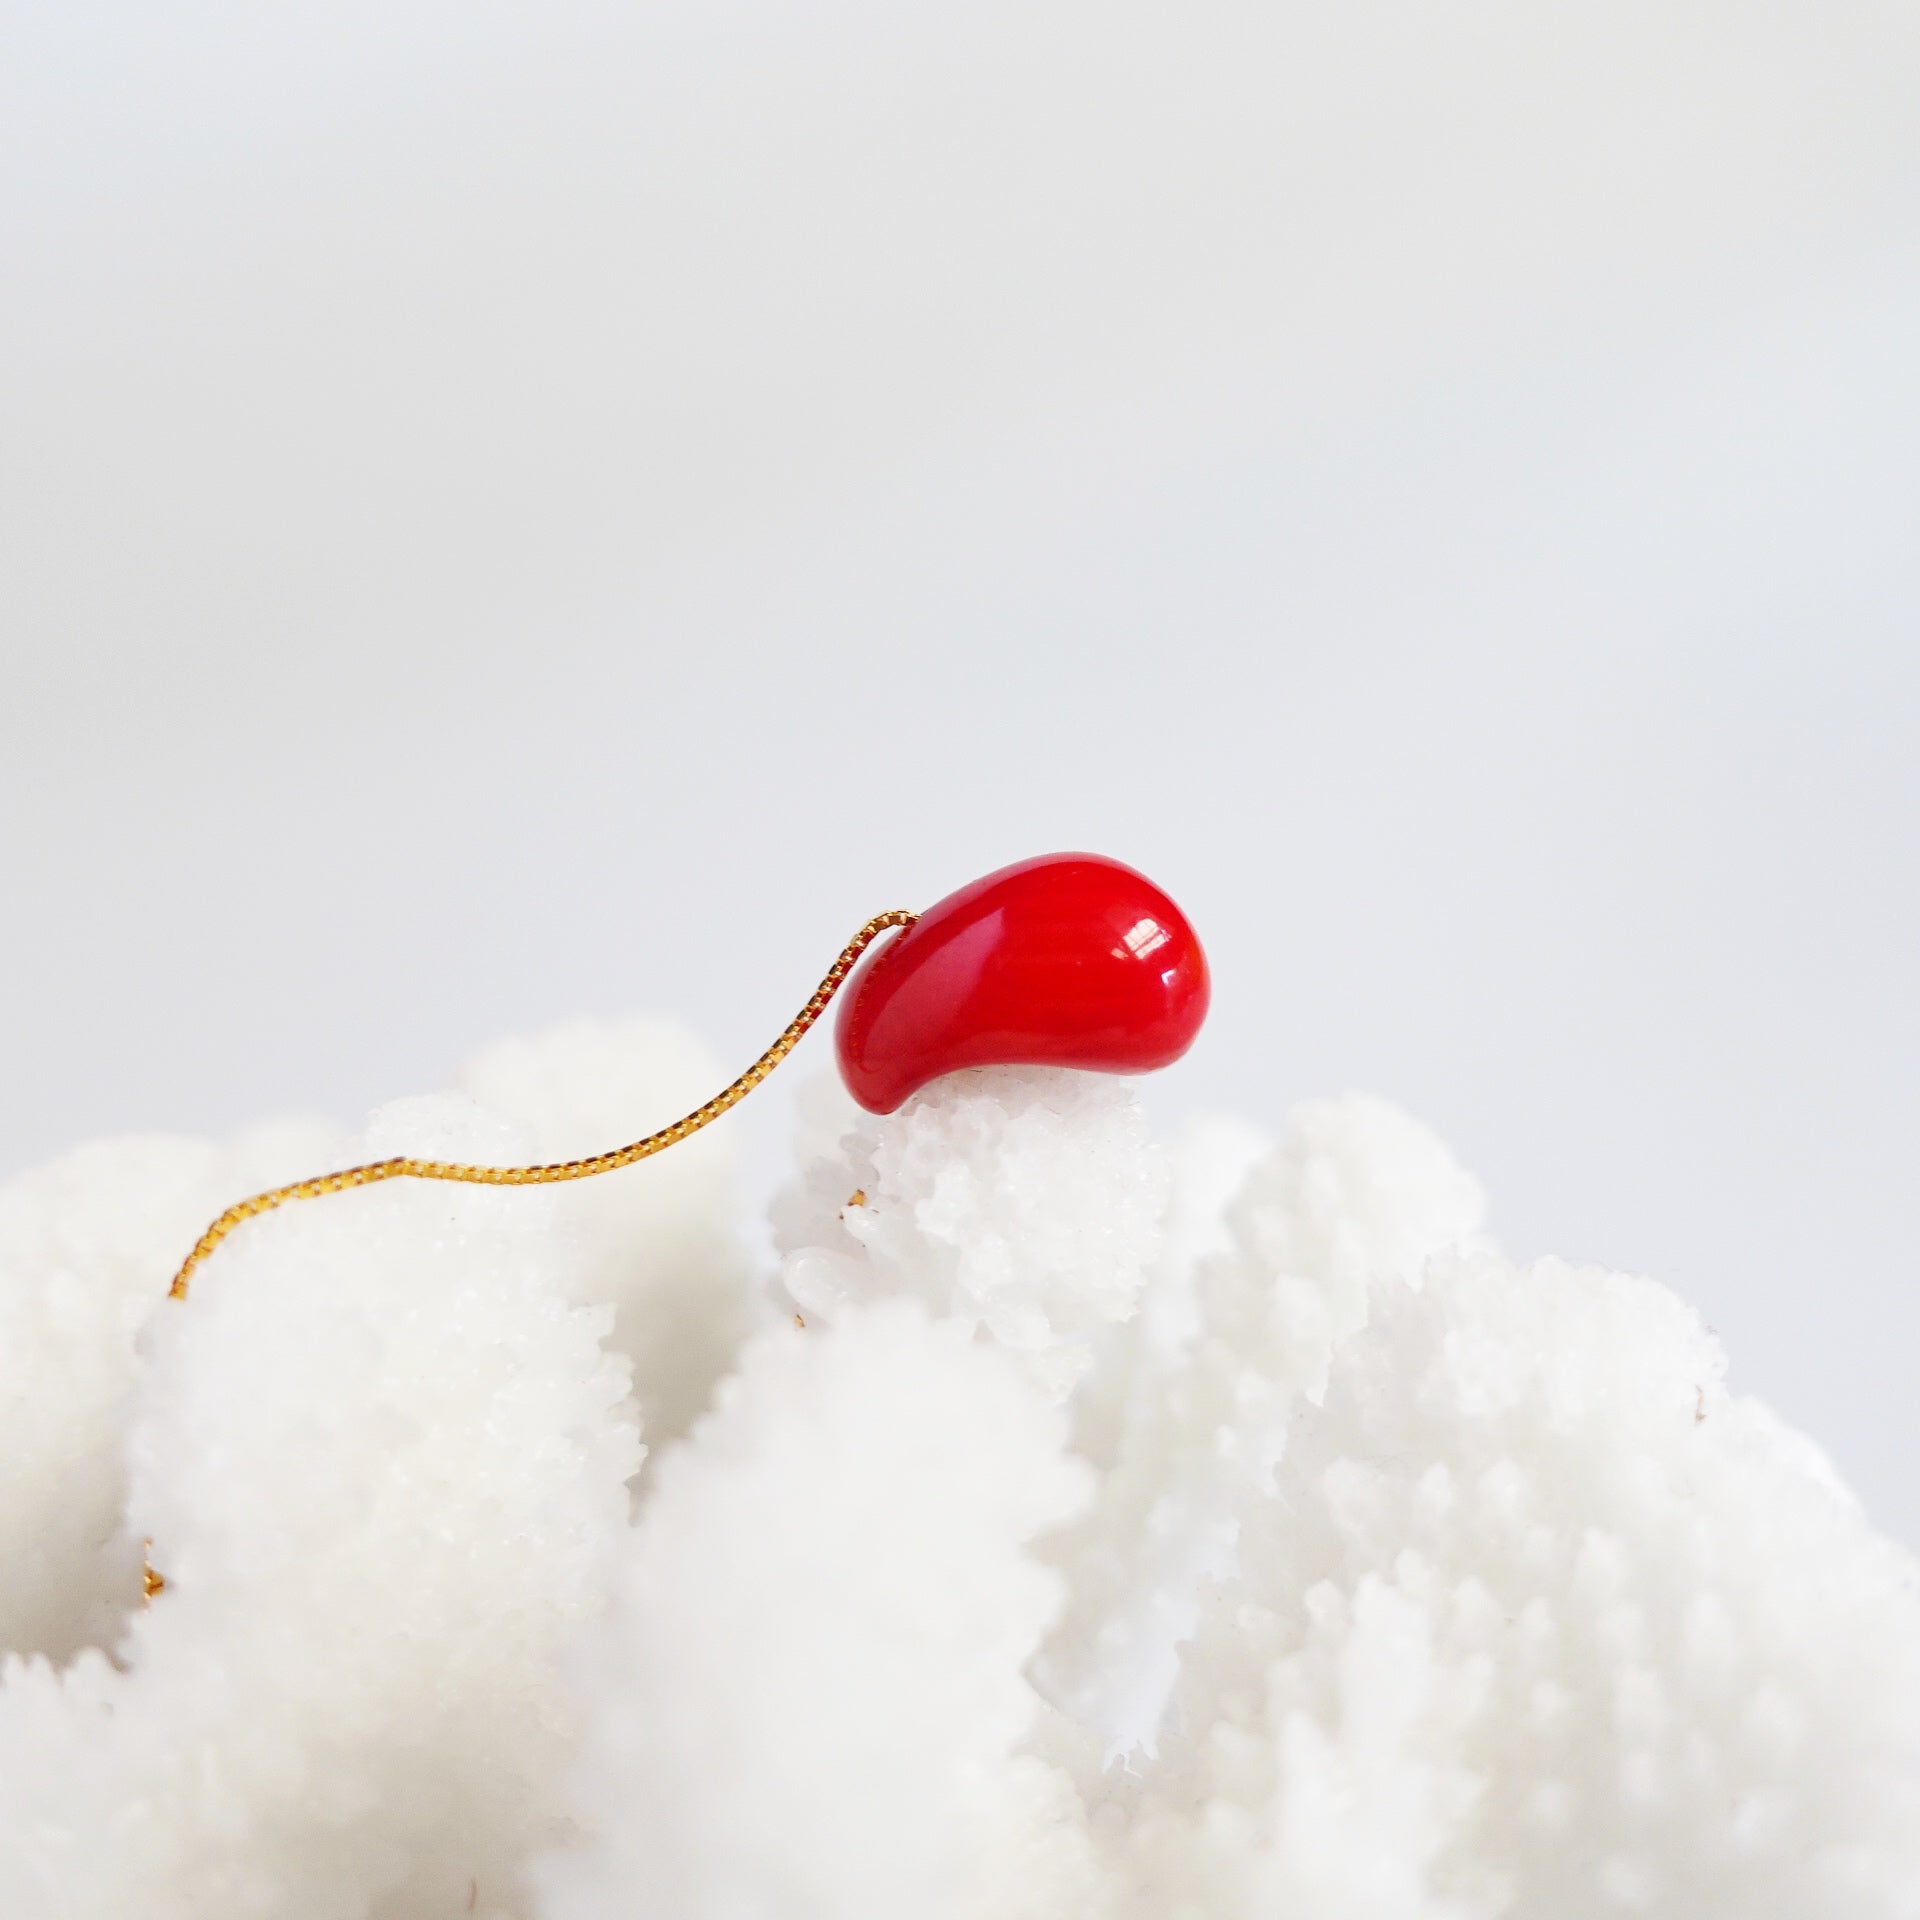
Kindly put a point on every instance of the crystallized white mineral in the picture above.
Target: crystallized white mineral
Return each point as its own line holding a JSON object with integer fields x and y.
{"x": 1025, "y": 1204}
{"x": 809, "y": 1693}
{"x": 658, "y": 1241}
{"x": 1536, "y": 1619}
{"x": 1120, "y": 1534}
{"x": 87, "y": 1247}
{"x": 384, "y": 1466}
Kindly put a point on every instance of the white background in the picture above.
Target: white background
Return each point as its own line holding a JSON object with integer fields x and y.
{"x": 518, "y": 512}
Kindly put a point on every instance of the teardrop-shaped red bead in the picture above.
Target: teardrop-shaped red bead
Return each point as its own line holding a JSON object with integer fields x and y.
{"x": 1069, "y": 960}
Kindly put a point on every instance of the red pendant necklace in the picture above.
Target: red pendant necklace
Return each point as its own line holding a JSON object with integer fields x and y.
{"x": 1070, "y": 960}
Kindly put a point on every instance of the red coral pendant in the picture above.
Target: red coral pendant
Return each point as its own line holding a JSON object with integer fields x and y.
{"x": 1070, "y": 960}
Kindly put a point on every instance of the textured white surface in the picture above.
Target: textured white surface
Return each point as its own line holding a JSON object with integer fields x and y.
{"x": 1026, "y": 1206}
{"x": 85, "y": 1247}
{"x": 384, "y": 1463}
{"x": 1128, "y": 1534}
{"x": 809, "y": 1701}
{"x": 659, "y": 1241}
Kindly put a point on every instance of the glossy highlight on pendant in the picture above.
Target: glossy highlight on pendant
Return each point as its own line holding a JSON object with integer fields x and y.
{"x": 1070, "y": 960}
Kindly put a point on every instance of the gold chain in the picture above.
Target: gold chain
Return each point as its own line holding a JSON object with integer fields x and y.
{"x": 409, "y": 1169}
{"x": 404, "y": 1168}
